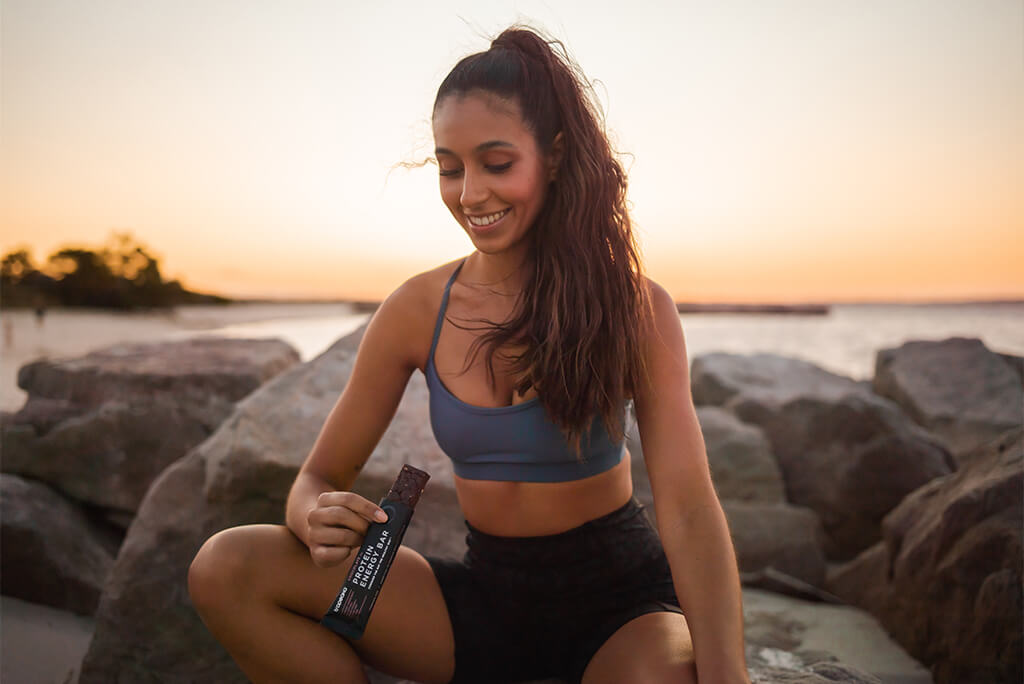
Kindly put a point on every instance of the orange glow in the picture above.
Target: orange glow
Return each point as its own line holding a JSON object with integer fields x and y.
{"x": 865, "y": 159}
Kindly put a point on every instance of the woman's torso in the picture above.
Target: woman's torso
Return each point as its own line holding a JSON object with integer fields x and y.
{"x": 505, "y": 508}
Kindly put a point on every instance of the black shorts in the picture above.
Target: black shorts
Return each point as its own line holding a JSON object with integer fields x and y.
{"x": 540, "y": 607}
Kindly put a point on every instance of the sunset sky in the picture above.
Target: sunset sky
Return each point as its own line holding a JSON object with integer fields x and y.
{"x": 779, "y": 151}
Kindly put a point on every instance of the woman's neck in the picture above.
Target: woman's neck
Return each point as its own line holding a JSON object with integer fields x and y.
{"x": 501, "y": 274}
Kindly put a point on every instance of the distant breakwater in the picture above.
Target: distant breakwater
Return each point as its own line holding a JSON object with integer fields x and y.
{"x": 800, "y": 309}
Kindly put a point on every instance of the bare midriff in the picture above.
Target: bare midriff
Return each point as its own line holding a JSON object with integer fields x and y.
{"x": 530, "y": 509}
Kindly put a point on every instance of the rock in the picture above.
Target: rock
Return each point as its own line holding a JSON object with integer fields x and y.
{"x": 242, "y": 474}
{"x": 740, "y": 457}
{"x": 863, "y": 581}
{"x": 787, "y": 538}
{"x": 198, "y": 366}
{"x": 766, "y": 532}
{"x": 53, "y": 554}
{"x": 957, "y": 388}
{"x": 844, "y": 452}
{"x": 1017, "y": 363}
{"x": 787, "y": 638}
{"x": 100, "y": 428}
{"x": 946, "y": 581}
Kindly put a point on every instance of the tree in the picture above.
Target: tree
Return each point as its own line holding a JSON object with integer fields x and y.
{"x": 16, "y": 265}
{"x": 123, "y": 274}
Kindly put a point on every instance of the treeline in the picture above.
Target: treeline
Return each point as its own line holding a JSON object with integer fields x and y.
{"x": 120, "y": 275}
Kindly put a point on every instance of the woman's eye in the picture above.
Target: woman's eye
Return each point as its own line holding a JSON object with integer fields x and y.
{"x": 498, "y": 168}
{"x": 449, "y": 172}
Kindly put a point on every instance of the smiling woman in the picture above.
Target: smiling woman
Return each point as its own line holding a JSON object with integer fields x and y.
{"x": 564, "y": 576}
{"x": 493, "y": 187}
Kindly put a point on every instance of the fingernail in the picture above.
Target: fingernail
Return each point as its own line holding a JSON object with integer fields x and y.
{"x": 381, "y": 516}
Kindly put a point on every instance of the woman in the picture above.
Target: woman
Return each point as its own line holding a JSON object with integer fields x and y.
{"x": 563, "y": 577}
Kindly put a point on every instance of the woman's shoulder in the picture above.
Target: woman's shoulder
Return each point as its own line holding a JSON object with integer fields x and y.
{"x": 422, "y": 289}
{"x": 661, "y": 302}
{"x": 408, "y": 314}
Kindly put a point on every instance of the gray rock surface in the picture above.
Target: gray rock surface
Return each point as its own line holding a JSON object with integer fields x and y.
{"x": 1017, "y": 363}
{"x": 947, "y": 579}
{"x": 846, "y": 453}
{"x": 957, "y": 388}
{"x": 743, "y": 467}
{"x": 787, "y": 538}
{"x": 101, "y": 427}
{"x": 52, "y": 553}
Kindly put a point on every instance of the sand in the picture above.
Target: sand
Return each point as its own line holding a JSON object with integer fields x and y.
{"x": 39, "y": 644}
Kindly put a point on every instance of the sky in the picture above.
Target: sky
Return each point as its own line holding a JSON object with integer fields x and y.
{"x": 778, "y": 151}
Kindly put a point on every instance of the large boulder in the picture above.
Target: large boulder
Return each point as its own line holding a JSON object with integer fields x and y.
{"x": 739, "y": 457}
{"x": 53, "y": 553}
{"x": 846, "y": 453}
{"x": 743, "y": 467}
{"x": 780, "y": 536}
{"x": 101, "y": 427}
{"x": 957, "y": 388}
{"x": 242, "y": 474}
{"x": 946, "y": 581}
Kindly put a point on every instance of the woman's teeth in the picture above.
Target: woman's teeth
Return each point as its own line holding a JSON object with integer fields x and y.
{"x": 486, "y": 220}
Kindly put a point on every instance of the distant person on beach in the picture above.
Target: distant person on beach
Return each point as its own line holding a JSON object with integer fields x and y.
{"x": 40, "y": 306}
{"x": 564, "y": 576}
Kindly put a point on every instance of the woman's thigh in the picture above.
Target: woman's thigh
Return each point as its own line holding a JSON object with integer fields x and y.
{"x": 409, "y": 633}
{"x": 655, "y": 647}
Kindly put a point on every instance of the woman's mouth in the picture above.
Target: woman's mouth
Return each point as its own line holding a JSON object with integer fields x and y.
{"x": 485, "y": 222}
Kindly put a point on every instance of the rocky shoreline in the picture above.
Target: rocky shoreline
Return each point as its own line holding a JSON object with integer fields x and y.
{"x": 900, "y": 497}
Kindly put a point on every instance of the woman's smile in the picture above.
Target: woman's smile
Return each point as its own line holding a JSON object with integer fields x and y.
{"x": 485, "y": 223}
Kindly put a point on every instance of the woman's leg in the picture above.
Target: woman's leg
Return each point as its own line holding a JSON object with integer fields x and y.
{"x": 261, "y": 596}
{"x": 652, "y": 648}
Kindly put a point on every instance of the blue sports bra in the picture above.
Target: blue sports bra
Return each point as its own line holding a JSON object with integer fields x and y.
{"x": 517, "y": 442}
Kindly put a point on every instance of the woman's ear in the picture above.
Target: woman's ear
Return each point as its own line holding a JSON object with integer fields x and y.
{"x": 555, "y": 157}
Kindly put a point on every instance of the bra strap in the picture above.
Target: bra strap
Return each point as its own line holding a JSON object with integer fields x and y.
{"x": 444, "y": 306}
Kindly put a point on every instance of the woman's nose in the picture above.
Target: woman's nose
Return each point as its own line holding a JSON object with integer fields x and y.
{"x": 474, "y": 191}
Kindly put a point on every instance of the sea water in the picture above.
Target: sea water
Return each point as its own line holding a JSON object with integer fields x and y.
{"x": 845, "y": 340}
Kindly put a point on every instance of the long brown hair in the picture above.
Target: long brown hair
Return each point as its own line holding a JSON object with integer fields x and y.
{"x": 585, "y": 302}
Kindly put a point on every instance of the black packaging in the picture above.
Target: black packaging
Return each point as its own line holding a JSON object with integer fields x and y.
{"x": 351, "y": 608}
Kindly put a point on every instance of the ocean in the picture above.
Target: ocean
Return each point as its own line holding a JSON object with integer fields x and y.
{"x": 844, "y": 341}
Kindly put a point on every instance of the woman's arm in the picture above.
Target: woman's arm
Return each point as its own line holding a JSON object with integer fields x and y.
{"x": 691, "y": 523}
{"x": 383, "y": 364}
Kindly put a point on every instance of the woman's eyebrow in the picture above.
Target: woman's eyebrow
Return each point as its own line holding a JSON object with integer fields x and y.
{"x": 490, "y": 144}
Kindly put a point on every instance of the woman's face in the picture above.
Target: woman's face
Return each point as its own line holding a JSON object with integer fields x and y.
{"x": 493, "y": 177}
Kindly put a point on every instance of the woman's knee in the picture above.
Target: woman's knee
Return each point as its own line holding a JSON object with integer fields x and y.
{"x": 652, "y": 649}
{"x": 222, "y": 567}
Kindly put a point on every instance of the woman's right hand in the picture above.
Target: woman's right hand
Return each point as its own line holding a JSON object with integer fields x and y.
{"x": 337, "y": 525}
